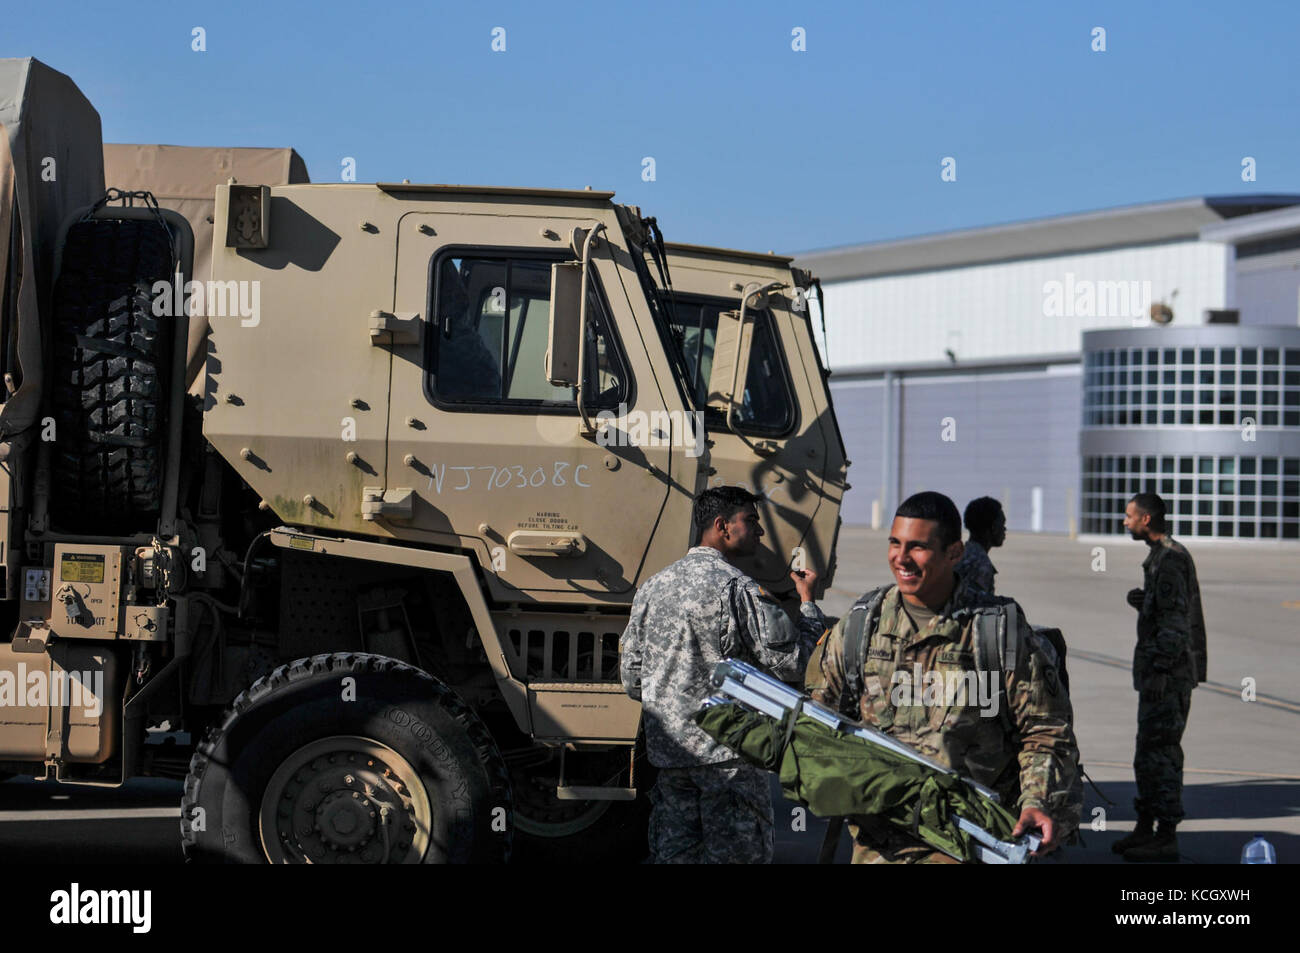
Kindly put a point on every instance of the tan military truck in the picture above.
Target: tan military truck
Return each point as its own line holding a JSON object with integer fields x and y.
{"x": 363, "y": 589}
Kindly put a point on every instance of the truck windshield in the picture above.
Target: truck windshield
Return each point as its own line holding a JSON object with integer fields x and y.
{"x": 766, "y": 406}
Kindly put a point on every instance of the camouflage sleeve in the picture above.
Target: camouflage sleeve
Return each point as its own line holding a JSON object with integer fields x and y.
{"x": 981, "y": 572}
{"x": 629, "y": 649}
{"x": 780, "y": 645}
{"x": 825, "y": 681}
{"x": 1173, "y": 631}
{"x": 1040, "y": 708}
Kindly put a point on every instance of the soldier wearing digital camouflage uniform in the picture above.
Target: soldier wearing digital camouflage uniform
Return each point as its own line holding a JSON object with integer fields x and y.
{"x": 1168, "y": 662}
{"x": 1021, "y": 744}
{"x": 987, "y": 525}
{"x": 708, "y": 806}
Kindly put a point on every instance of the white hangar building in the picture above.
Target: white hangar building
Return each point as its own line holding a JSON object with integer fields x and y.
{"x": 1029, "y": 362}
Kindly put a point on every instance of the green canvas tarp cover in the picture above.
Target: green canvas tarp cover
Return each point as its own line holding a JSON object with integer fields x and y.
{"x": 835, "y": 774}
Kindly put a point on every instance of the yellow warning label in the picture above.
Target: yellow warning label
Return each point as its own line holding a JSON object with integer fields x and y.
{"x": 81, "y": 567}
{"x": 302, "y": 542}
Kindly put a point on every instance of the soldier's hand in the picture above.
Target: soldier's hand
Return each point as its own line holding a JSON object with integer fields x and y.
{"x": 803, "y": 583}
{"x": 1153, "y": 688}
{"x": 1135, "y": 597}
{"x": 1032, "y": 817}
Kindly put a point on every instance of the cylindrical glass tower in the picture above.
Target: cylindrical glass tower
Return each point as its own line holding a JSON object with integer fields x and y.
{"x": 1207, "y": 416}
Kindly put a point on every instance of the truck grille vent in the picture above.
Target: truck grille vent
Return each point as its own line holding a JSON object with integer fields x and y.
{"x": 562, "y": 656}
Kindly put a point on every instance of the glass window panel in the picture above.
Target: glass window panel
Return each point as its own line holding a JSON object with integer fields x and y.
{"x": 1225, "y": 528}
{"x": 1249, "y": 355}
{"x": 1246, "y": 530}
{"x": 1271, "y": 356}
{"x": 1247, "y": 464}
{"x": 1247, "y": 507}
{"x": 1268, "y": 465}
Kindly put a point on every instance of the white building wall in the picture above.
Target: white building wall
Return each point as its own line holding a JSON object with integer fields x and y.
{"x": 1267, "y": 289}
{"x": 999, "y": 310}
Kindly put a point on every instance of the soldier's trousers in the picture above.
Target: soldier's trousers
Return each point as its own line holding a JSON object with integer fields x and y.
{"x": 712, "y": 814}
{"x": 1158, "y": 756}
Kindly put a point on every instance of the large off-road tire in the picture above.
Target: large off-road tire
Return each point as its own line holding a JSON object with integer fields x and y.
{"x": 111, "y": 363}
{"x": 347, "y": 758}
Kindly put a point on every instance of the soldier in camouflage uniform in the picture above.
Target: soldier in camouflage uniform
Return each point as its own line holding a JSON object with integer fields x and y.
{"x": 987, "y": 525}
{"x": 708, "y": 806}
{"x": 1168, "y": 662}
{"x": 1027, "y": 754}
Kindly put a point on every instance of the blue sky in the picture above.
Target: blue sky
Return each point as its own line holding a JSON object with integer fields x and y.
{"x": 755, "y": 145}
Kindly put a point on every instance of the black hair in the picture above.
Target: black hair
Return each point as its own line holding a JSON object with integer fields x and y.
{"x": 1154, "y": 507}
{"x": 981, "y": 514}
{"x": 721, "y": 501}
{"x": 930, "y": 505}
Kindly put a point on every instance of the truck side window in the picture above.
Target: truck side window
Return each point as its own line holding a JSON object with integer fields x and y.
{"x": 766, "y": 406}
{"x": 489, "y": 342}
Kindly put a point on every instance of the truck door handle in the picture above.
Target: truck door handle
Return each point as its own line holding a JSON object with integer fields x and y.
{"x": 532, "y": 542}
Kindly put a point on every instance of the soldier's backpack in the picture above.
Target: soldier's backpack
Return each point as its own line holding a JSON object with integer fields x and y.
{"x": 994, "y": 652}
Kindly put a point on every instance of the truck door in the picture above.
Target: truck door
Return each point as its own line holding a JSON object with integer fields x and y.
{"x": 773, "y": 442}
{"x": 483, "y": 452}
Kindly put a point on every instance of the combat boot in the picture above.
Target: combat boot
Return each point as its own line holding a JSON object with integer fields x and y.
{"x": 1162, "y": 848}
{"x": 1142, "y": 834}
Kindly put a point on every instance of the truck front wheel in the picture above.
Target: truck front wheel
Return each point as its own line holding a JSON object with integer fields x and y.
{"x": 348, "y": 758}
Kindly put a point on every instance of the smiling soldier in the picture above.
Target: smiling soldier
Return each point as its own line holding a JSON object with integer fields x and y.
{"x": 930, "y": 624}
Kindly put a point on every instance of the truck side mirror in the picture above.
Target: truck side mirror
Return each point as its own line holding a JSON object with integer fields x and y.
{"x": 730, "y": 362}
{"x": 565, "y": 332}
